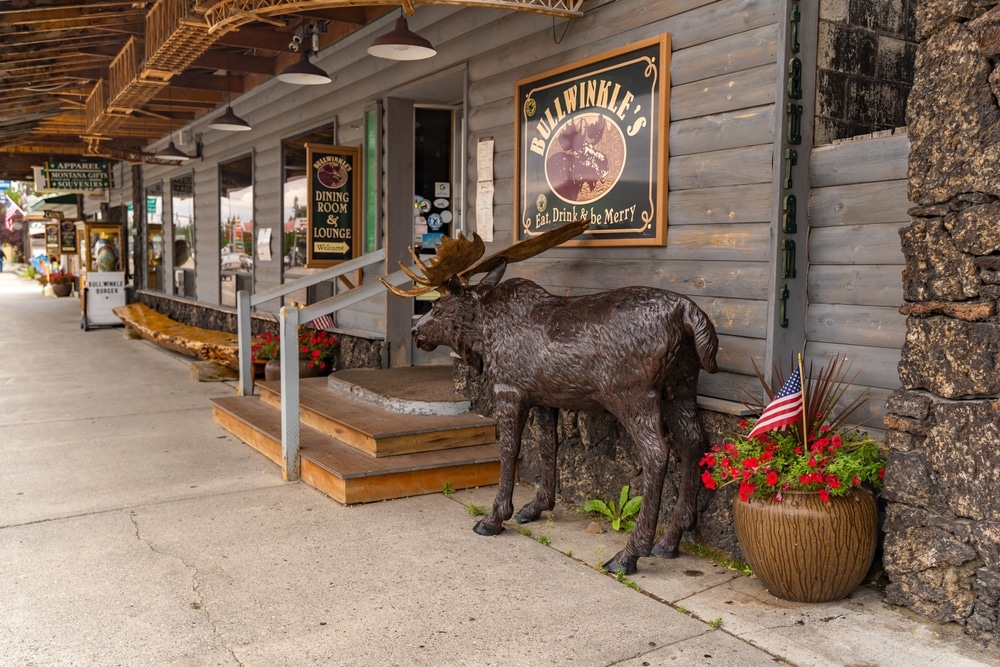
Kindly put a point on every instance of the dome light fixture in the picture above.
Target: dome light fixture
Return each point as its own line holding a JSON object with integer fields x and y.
{"x": 171, "y": 152}
{"x": 401, "y": 44}
{"x": 230, "y": 122}
{"x": 304, "y": 73}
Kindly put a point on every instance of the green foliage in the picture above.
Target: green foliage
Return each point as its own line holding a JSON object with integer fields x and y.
{"x": 448, "y": 490}
{"x": 716, "y": 623}
{"x": 621, "y": 514}
{"x": 544, "y": 540}
{"x": 475, "y": 510}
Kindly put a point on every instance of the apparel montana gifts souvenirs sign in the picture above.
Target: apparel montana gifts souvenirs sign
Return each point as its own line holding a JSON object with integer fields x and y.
{"x": 591, "y": 143}
{"x": 334, "y": 204}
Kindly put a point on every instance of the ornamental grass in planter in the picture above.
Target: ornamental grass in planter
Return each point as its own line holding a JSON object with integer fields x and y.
{"x": 804, "y": 513}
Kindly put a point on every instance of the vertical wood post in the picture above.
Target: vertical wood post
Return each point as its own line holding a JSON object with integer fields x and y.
{"x": 290, "y": 461}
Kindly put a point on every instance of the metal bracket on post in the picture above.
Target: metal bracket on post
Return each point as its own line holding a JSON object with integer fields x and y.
{"x": 290, "y": 460}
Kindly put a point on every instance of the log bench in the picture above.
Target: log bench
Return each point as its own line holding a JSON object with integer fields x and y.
{"x": 218, "y": 347}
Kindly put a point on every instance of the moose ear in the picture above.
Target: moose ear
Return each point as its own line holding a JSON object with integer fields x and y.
{"x": 455, "y": 286}
{"x": 495, "y": 274}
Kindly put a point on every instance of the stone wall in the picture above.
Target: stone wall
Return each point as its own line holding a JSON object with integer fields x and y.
{"x": 864, "y": 66}
{"x": 355, "y": 352}
{"x": 942, "y": 544}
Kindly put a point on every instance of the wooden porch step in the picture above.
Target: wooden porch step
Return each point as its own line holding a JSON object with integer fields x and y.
{"x": 377, "y": 431}
{"x": 348, "y": 475}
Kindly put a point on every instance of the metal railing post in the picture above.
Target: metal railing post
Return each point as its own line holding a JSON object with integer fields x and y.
{"x": 244, "y": 343}
{"x": 290, "y": 460}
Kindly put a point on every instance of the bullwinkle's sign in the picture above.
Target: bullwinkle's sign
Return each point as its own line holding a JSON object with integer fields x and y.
{"x": 591, "y": 143}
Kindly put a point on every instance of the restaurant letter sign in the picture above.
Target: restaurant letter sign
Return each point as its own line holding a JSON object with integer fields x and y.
{"x": 334, "y": 204}
{"x": 591, "y": 143}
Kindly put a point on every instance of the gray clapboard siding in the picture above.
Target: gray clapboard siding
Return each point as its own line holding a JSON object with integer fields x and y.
{"x": 731, "y": 129}
{"x": 861, "y": 161}
{"x": 858, "y": 203}
{"x": 744, "y": 50}
{"x": 736, "y": 90}
{"x": 735, "y": 166}
{"x": 734, "y": 204}
{"x": 725, "y": 243}
{"x": 704, "y": 279}
{"x": 856, "y": 285}
{"x": 874, "y": 326}
{"x": 875, "y": 366}
{"x": 856, "y": 244}
{"x": 728, "y": 386}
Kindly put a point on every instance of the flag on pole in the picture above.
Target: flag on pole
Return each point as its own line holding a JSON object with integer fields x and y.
{"x": 323, "y": 323}
{"x": 784, "y": 408}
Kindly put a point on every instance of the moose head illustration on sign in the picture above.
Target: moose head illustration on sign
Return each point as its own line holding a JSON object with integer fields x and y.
{"x": 628, "y": 351}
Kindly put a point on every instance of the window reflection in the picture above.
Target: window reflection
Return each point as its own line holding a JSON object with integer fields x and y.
{"x": 182, "y": 208}
{"x": 236, "y": 227}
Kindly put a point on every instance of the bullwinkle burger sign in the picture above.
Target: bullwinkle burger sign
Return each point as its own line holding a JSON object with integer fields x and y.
{"x": 591, "y": 143}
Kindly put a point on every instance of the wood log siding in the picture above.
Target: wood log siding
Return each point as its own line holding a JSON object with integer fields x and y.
{"x": 856, "y": 207}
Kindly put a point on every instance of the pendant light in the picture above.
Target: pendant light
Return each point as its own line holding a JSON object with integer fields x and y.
{"x": 229, "y": 121}
{"x": 304, "y": 73}
{"x": 401, "y": 44}
{"x": 171, "y": 152}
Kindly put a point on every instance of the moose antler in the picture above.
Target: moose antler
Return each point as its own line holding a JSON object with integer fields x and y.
{"x": 456, "y": 257}
{"x": 453, "y": 256}
{"x": 526, "y": 249}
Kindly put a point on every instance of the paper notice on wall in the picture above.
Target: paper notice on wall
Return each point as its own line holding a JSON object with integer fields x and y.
{"x": 264, "y": 244}
{"x": 484, "y": 188}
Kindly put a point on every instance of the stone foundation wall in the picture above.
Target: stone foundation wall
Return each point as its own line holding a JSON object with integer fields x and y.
{"x": 355, "y": 352}
{"x": 942, "y": 527}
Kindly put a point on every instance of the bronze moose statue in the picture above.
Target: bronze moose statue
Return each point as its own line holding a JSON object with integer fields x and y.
{"x": 635, "y": 352}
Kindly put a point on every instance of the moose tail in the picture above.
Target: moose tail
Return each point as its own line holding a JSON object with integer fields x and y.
{"x": 703, "y": 331}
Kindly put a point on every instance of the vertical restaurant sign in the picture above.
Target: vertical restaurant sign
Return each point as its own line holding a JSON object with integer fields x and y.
{"x": 591, "y": 143}
{"x": 335, "y": 204}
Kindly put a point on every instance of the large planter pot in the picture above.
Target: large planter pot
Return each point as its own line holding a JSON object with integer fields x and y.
{"x": 272, "y": 370}
{"x": 805, "y": 550}
{"x": 62, "y": 289}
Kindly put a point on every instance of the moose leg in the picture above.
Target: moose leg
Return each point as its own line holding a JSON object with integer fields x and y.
{"x": 511, "y": 414}
{"x": 690, "y": 443}
{"x": 545, "y": 497}
{"x": 642, "y": 421}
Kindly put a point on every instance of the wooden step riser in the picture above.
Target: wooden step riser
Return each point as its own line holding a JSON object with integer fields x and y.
{"x": 397, "y": 485}
{"x": 410, "y": 442}
{"x": 484, "y": 470}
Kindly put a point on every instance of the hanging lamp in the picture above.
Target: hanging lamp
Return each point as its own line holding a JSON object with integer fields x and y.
{"x": 303, "y": 72}
{"x": 401, "y": 44}
{"x": 229, "y": 121}
{"x": 171, "y": 152}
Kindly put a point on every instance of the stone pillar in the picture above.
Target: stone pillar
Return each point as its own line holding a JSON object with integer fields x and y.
{"x": 942, "y": 544}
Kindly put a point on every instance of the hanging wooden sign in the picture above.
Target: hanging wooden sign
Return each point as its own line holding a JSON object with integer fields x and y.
{"x": 592, "y": 143}
{"x": 335, "y": 204}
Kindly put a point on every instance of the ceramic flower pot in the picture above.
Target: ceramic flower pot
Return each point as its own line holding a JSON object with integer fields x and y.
{"x": 806, "y": 550}
{"x": 62, "y": 289}
{"x": 272, "y": 370}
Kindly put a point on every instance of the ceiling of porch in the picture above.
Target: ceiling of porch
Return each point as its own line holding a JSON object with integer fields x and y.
{"x": 109, "y": 77}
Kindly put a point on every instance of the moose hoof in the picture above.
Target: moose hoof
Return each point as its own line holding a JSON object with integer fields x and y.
{"x": 665, "y": 552}
{"x": 482, "y": 528}
{"x": 526, "y": 516}
{"x": 623, "y": 564}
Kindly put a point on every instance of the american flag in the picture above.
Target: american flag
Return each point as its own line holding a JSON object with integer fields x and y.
{"x": 323, "y": 323}
{"x": 12, "y": 210}
{"x": 784, "y": 408}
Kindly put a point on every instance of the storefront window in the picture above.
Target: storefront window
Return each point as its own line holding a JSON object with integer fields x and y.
{"x": 236, "y": 228}
{"x": 295, "y": 198}
{"x": 182, "y": 219}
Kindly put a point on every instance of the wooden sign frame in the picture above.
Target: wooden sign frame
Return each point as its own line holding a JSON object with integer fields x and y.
{"x": 591, "y": 141}
{"x": 335, "y": 205}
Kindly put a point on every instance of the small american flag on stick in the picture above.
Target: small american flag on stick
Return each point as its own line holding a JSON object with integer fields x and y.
{"x": 784, "y": 408}
{"x": 323, "y": 323}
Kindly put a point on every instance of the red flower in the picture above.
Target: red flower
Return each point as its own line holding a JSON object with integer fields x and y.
{"x": 708, "y": 480}
{"x": 746, "y": 490}
{"x": 824, "y": 495}
{"x": 772, "y": 478}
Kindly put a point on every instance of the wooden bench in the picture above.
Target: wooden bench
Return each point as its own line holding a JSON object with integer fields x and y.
{"x": 218, "y": 347}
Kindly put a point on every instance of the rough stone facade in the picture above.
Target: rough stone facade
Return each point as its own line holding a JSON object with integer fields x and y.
{"x": 942, "y": 543}
{"x": 864, "y": 66}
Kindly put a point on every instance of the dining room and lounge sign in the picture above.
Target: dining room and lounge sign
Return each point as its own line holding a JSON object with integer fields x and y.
{"x": 592, "y": 143}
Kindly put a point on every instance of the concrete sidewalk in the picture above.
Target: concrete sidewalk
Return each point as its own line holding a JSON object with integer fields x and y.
{"x": 135, "y": 531}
